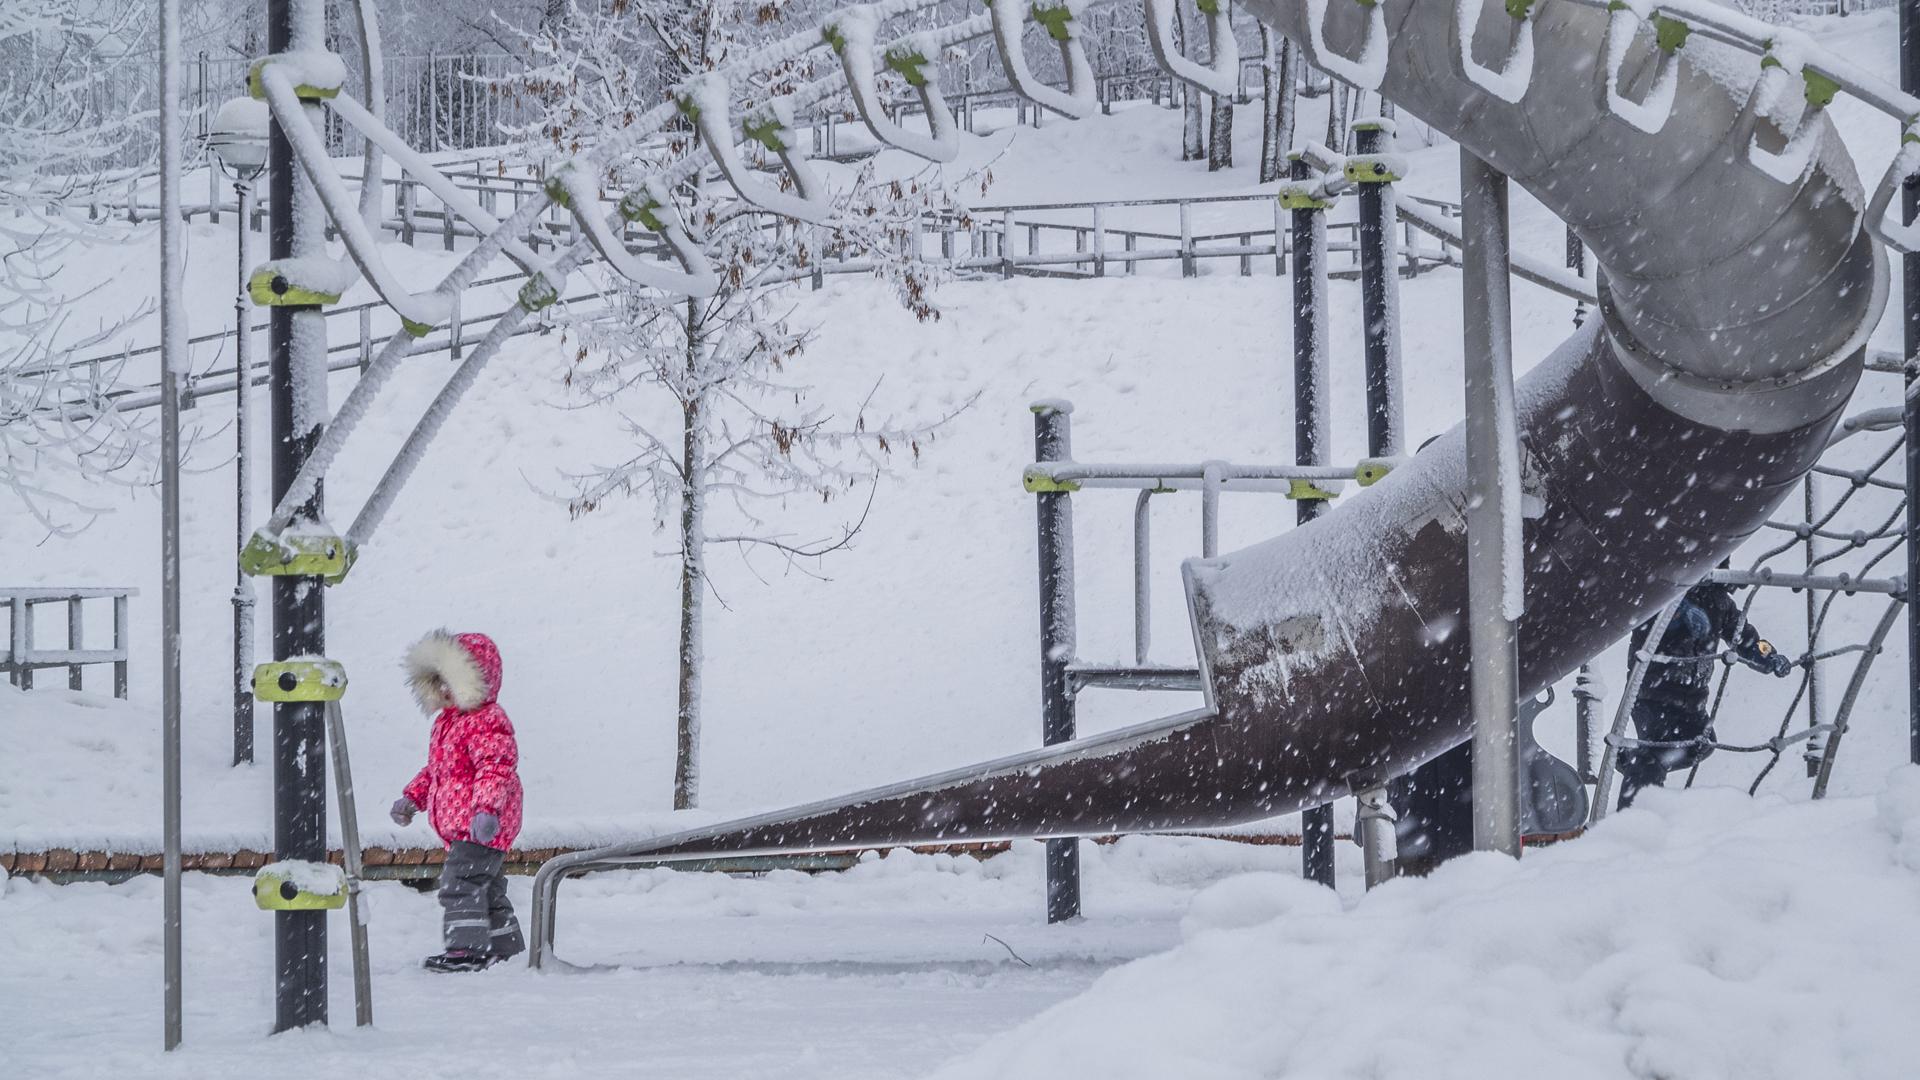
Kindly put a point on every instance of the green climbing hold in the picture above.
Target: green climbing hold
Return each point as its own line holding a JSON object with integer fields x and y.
{"x": 270, "y": 288}
{"x": 318, "y": 555}
{"x": 300, "y": 680}
{"x": 299, "y": 886}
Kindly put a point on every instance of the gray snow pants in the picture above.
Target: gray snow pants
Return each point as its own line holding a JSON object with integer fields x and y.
{"x": 473, "y": 894}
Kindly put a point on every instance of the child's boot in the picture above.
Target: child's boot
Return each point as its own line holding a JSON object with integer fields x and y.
{"x": 457, "y": 960}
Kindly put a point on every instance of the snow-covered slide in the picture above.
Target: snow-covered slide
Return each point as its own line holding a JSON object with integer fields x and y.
{"x": 1739, "y": 286}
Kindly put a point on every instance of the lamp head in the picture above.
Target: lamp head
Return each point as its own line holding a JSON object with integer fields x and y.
{"x": 238, "y": 138}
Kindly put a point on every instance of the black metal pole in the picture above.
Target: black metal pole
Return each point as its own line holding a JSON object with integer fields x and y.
{"x": 1910, "y": 345}
{"x": 1379, "y": 305}
{"x": 1310, "y": 430}
{"x": 299, "y": 729}
{"x": 1577, "y": 262}
{"x": 1378, "y": 294}
{"x": 1053, "y": 441}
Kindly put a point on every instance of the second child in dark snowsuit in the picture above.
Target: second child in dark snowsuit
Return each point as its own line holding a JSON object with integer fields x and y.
{"x": 1672, "y": 706}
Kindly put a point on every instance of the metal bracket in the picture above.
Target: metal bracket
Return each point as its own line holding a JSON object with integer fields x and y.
{"x": 321, "y": 555}
{"x": 1307, "y": 489}
{"x": 305, "y": 91}
{"x": 299, "y": 886}
{"x": 1374, "y": 168}
{"x": 1303, "y": 196}
{"x": 270, "y": 287}
{"x": 1371, "y": 471}
{"x": 1037, "y": 480}
{"x": 300, "y": 680}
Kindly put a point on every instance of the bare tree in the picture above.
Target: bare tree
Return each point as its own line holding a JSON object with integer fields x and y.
{"x": 741, "y": 439}
{"x": 1220, "y": 120}
{"x": 1192, "y": 135}
{"x": 1279, "y": 103}
{"x": 59, "y": 133}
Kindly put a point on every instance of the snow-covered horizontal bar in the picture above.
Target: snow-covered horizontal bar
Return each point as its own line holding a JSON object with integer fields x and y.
{"x": 1847, "y": 583}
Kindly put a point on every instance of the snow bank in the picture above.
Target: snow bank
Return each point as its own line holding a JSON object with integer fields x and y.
{"x": 1699, "y": 935}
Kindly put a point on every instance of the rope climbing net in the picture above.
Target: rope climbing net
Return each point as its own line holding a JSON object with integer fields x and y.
{"x": 1825, "y": 585}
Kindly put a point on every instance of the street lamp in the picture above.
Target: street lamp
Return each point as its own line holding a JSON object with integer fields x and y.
{"x": 238, "y": 141}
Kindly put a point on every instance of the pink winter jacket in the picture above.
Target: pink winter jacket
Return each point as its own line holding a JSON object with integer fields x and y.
{"x": 471, "y": 756}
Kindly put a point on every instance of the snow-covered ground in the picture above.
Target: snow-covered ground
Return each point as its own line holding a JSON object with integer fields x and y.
{"x": 1699, "y": 935}
{"x": 1685, "y": 928}
{"x": 886, "y": 970}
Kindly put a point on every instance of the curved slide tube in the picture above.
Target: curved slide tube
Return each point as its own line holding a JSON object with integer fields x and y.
{"x": 1656, "y": 439}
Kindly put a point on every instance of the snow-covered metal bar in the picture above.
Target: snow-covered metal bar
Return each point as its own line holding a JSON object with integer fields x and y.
{"x": 1495, "y": 588}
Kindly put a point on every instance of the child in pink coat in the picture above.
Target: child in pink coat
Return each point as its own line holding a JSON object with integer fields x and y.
{"x": 470, "y": 790}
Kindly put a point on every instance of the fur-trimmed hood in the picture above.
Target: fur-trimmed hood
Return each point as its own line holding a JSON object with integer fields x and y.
{"x": 468, "y": 664}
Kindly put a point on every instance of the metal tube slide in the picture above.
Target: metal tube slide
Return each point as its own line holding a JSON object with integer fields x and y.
{"x": 1734, "y": 311}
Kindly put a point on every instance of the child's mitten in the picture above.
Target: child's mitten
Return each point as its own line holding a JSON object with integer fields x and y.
{"x": 403, "y": 811}
{"x": 484, "y": 827}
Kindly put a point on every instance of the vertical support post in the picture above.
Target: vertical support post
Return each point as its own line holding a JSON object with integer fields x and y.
{"x": 1311, "y": 440}
{"x": 1586, "y": 721}
{"x": 1910, "y": 347}
{"x": 1186, "y": 240}
{"x": 20, "y": 619}
{"x": 455, "y": 333}
{"x": 76, "y": 640}
{"x": 120, "y": 646}
{"x": 205, "y": 105}
{"x": 173, "y": 376}
{"x": 1816, "y": 705}
{"x": 1586, "y": 702}
{"x": 22, "y": 643}
{"x": 1099, "y": 241}
{"x": 1577, "y": 262}
{"x": 1053, "y": 441}
{"x": 1006, "y": 244}
{"x": 1210, "y": 481}
{"x": 1380, "y": 314}
{"x": 1493, "y": 551}
{"x": 1379, "y": 292}
{"x": 1279, "y": 239}
{"x": 297, "y": 383}
{"x": 243, "y": 591}
{"x": 1142, "y": 575}
{"x": 366, "y": 338}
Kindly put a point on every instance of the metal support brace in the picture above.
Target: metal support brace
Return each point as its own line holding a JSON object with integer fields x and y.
{"x": 1491, "y": 552}
{"x": 1053, "y": 441}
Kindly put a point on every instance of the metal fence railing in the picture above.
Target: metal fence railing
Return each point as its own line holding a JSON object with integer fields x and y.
{"x": 22, "y": 656}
